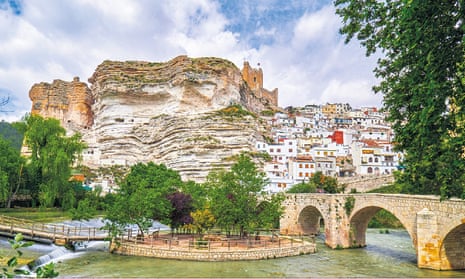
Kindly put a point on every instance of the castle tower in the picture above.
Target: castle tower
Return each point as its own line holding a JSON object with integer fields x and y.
{"x": 254, "y": 79}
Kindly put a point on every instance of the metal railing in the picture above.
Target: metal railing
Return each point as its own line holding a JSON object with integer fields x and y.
{"x": 50, "y": 231}
{"x": 212, "y": 243}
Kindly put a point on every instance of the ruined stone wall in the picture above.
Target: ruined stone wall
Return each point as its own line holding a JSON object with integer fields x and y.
{"x": 254, "y": 79}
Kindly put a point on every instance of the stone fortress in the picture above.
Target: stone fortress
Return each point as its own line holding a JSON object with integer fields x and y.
{"x": 165, "y": 112}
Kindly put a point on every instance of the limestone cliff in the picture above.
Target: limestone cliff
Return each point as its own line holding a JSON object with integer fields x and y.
{"x": 70, "y": 102}
{"x": 184, "y": 113}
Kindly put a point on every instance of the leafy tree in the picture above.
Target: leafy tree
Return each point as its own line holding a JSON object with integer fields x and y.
{"x": 10, "y": 133}
{"x": 303, "y": 187}
{"x": 422, "y": 79}
{"x": 198, "y": 193}
{"x": 85, "y": 210}
{"x": 11, "y": 172}
{"x": 319, "y": 181}
{"x": 327, "y": 183}
{"x": 235, "y": 199}
{"x": 202, "y": 220}
{"x": 182, "y": 208}
{"x": 52, "y": 155}
{"x": 142, "y": 196}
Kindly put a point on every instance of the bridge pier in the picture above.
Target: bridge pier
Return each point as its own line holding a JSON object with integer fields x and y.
{"x": 429, "y": 241}
{"x": 437, "y": 228}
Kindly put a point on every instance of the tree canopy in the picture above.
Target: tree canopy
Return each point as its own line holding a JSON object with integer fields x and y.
{"x": 421, "y": 68}
{"x": 318, "y": 183}
{"x": 11, "y": 171}
{"x": 52, "y": 156}
{"x": 235, "y": 198}
{"x": 142, "y": 196}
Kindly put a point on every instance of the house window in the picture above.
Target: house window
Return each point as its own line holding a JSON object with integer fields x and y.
{"x": 271, "y": 149}
{"x": 279, "y": 150}
{"x": 306, "y": 166}
{"x": 300, "y": 174}
{"x": 306, "y": 174}
{"x": 300, "y": 165}
{"x": 290, "y": 150}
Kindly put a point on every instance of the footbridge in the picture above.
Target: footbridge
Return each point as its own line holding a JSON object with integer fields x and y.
{"x": 437, "y": 228}
{"x": 59, "y": 234}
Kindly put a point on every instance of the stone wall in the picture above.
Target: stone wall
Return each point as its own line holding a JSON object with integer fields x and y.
{"x": 363, "y": 184}
{"x": 205, "y": 255}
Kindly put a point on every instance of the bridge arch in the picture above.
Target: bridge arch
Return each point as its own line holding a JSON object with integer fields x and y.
{"x": 452, "y": 251}
{"x": 309, "y": 220}
{"x": 359, "y": 223}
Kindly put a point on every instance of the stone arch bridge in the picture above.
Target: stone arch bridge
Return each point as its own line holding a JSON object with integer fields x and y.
{"x": 437, "y": 228}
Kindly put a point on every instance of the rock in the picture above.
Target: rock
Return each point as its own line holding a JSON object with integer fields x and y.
{"x": 185, "y": 113}
{"x": 70, "y": 102}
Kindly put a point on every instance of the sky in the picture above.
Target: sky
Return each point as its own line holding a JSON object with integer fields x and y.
{"x": 295, "y": 42}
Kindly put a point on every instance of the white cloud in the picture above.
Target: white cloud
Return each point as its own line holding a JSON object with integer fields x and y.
{"x": 301, "y": 52}
{"x": 316, "y": 28}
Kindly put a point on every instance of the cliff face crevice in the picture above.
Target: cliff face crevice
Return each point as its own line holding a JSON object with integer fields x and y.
{"x": 178, "y": 113}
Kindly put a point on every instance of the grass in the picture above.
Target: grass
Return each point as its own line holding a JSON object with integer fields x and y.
{"x": 42, "y": 215}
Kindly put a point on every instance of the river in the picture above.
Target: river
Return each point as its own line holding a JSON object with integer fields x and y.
{"x": 386, "y": 255}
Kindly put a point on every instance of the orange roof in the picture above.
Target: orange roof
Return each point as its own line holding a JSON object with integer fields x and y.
{"x": 370, "y": 143}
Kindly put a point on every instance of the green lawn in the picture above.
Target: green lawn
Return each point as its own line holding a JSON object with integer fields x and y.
{"x": 43, "y": 215}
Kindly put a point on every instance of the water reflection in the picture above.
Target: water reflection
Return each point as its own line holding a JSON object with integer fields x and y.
{"x": 386, "y": 255}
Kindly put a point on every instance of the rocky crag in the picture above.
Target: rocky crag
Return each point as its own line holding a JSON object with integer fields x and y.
{"x": 186, "y": 113}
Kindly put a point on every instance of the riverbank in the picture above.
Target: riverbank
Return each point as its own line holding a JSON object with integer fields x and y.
{"x": 212, "y": 248}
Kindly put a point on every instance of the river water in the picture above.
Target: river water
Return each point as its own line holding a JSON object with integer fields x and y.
{"x": 386, "y": 255}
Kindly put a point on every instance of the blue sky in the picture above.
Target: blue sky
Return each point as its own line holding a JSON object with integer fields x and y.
{"x": 296, "y": 43}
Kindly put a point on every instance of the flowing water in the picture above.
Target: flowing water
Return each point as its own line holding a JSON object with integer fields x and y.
{"x": 386, "y": 255}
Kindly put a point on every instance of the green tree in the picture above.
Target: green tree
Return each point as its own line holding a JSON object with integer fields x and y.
{"x": 11, "y": 134}
{"x": 202, "y": 220}
{"x": 235, "y": 197}
{"x": 11, "y": 172}
{"x": 198, "y": 193}
{"x": 52, "y": 156}
{"x": 142, "y": 196}
{"x": 303, "y": 187}
{"x": 318, "y": 181}
{"x": 420, "y": 43}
